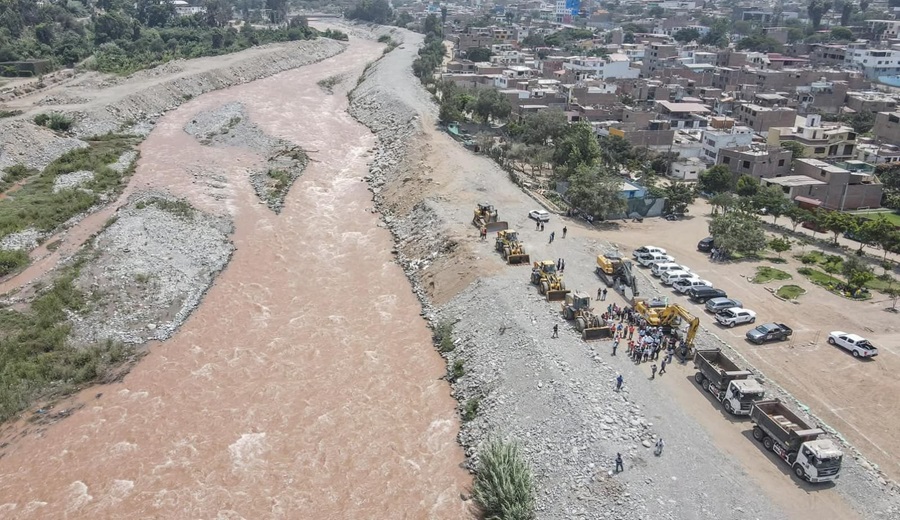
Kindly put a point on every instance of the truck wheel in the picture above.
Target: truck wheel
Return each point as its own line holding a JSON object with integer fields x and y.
{"x": 769, "y": 443}
{"x": 728, "y": 407}
{"x": 798, "y": 470}
{"x": 569, "y": 313}
{"x": 544, "y": 288}
{"x": 506, "y": 252}
{"x": 698, "y": 377}
{"x": 855, "y": 353}
{"x": 580, "y": 324}
{"x": 562, "y": 285}
{"x": 758, "y": 434}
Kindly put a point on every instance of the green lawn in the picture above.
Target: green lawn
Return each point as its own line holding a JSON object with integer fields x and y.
{"x": 892, "y": 216}
{"x": 819, "y": 277}
{"x": 790, "y": 292}
{"x": 765, "y": 274}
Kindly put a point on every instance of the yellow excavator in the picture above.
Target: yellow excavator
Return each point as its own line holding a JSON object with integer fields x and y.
{"x": 650, "y": 309}
{"x": 675, "y": 315}
{"x": 486, "y": 217}
{"x": 510, "y": 248}
{"x": 615, "y": 271}
{"x": 577, "y": 306}
{"x": 549, "y": 282}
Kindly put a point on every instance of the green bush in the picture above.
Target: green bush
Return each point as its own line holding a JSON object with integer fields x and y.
{"x": 12, "y": 260}
{"x": 384, "y": 38}
{"x": 810, "y": 258}
{"x": 443, "y": 337}
{"x": 9, "y": 113}
{"x": 503, "y": 486}
{"x": 457, "y": 371}
{"x": 54, "y": 121}
{"x": 470, "y": 409}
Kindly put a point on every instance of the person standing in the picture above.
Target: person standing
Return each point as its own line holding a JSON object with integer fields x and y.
{"x": 662, "y": 367}
{"x": 659, "y": 446}
{"x": 555, "y": 331}
{"x": 653, "y": 370}
{"x": 565, "y": 230}
{"x": 483, "y": 233}
{"x": 563, "y": 266}
{"x": 537, "y": 225}
{"x": 559, "y": 264}
{"x": 542, "y": 225}
{"x": 599, "y": 293}
{"x": 603, "y": 299}
{"x": 619, "y": 466}
{"x": 615, "y": 345}
{"x": 619, "y": 381}
{"x": 552, "y": 234}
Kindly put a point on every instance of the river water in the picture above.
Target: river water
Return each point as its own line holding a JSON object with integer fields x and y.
{"x": 304, "y": 386}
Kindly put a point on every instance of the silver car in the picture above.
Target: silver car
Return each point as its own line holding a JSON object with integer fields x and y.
{"x": 714, "y": 305}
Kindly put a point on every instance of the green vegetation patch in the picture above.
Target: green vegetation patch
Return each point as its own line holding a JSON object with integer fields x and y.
{"x": 11, "y": 261}
{"x": 35, "y": 205}
{"x": 766, "y": 274}
{"x": 54, "y": 121}
{"x": 818, "y": 277}
{"x": 35, "y": 360}
{"x": 790, "y": 292}
{"x": 443, "y": 337}
{"x": 9, "y": 113}
{"x": 503, "y": 487}
{"x": 470, "y": 409}
{"x": 178, "y": 207}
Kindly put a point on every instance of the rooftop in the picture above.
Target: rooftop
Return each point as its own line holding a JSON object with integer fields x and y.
{"x": 683, "y": 107}
{"x": 791, "y": 181}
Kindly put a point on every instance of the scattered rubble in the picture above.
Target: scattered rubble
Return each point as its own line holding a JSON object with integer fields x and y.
{"x": 68, "y": 181}
{"x": 26, "y": 239}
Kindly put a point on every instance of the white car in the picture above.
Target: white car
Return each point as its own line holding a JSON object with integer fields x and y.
{"x": 684, "y": 286}
{"x": 648, "y": 259}
{"x": 648, "y": 249}
{"x": 539, "y": 215}
{"x": 735, "y": 316}
{"x": 857, "y": 345}
{"x": 670, "y": 277}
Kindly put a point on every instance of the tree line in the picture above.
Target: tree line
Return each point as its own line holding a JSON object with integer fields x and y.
{"x": 126, "y": 35}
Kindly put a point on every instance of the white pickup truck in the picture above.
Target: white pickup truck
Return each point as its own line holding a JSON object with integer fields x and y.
{"x": 856, "y": 345}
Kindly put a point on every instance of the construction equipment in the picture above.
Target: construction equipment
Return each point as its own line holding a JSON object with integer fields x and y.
{"x": 650, "y": 309}
{"x": 794, "y": 441}
{"x": 734, "y": 388}
{"x": 673, "y": 315}
{"x": 486, "y": 217}
{"x": 615, "y": 271}
{"x": 549, "y": 281}
{"x": 577, "y": 306}
{"x": 510, "y": 248}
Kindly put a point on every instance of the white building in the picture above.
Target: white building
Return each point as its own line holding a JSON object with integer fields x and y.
{"x": 687, "y": 169}
{"x": 183, "y": 8}
{"x": 616, "y": 66}
{"x": 715, "y": 140}
{"x": 874, "y": 62}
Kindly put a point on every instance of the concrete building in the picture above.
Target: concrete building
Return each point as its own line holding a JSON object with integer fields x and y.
{"x": 877, "y": 154}
{"x": 715, "y": 140}
{"x": 887, "y": 127}
{"x": 827, "y": 55}
{"x": 657, "y": 56}
{"x": 614, "y": 66}
{"x": 831, "y": 141}
{"x": 870, "y": 101}
{"x": 874, "y": 62}
{"x": 687, "y": 169}
{"x": 843, "y": 190}
{"x": 683, "y": 116}
{"x": 761, "y": 118}
{"x": 757, "y": 161}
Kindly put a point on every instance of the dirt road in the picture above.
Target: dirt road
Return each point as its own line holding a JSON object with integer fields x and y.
{"x": 304, "y": 386}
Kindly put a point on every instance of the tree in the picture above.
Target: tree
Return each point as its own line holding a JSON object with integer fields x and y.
{"x": 443, "y": 16}
{"x": 578, "y": 146}
{"x": 155, "y": 13}
{"x": 795, "y": 34}
{"x": 759, "y": 43}
{"x": 780, "y": 245}
{"x": 846, "y": 12}
{"x": 686, "y": 35}
{"x": 543, "y": 127}
{"x": 894, "y": 294}
{"x": 797, "y": 216}
{"x": 724, "y": 200}
{"x": 858, "y": 273}
{"x": 816, "y": 10}
{"x": 375, "y": 11}
{"x": 218, "y": 13}
{"x": 841, "y": 34}
{"x": 771, "y": 201}
{"x": 478, "y": 54}
{"x": 835, "y": 222}
{"x": 797, "y": 150}
{"x": 533, "y": 41}
{"x": 432, "y": 26}
{"x": 491, "y": 104}
{"x": 679, "y": 195}
{"x": 861, "y": 122}
{"x": 596, "y": 191}
{"x": 747, "y": 186}
{"x": 737, "y": 233}
{"x": 717, "y": 179}
{"x": 878, "y": 231}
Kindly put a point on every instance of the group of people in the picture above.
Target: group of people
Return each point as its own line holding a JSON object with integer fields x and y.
{"x": 717, "y": 255}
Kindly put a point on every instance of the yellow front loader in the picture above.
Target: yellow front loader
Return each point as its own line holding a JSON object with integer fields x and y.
{"x": 486, "y": 217}
{"x": 510, "y": 248}
{"x": 550, "y": 283}
{"x": 577, "y": 306}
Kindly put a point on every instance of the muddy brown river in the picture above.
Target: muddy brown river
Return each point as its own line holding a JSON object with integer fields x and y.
{"x": 304, "y": 386}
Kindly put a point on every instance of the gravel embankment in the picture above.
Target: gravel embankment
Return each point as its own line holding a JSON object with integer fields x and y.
{"x": 153, "y": 265}
{"x": 23, "y": 142}
{"x": 556, "y": 396}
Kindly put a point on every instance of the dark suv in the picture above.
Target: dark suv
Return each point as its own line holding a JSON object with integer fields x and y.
{"x": 701, "y": 294}
{"x": 705, "y": 245}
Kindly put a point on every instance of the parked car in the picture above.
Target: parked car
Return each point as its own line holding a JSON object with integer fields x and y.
{"x": 720, "y": 304}
{"x": 648, "y": 259}
{"x": 705, "y": 245}
{"x": 648, "y": 249}
{"x": 657, "y": 269}
{"x": 539, "y": 214}
{"x": 703, "y": 294}
{"x": 769, "y": 332}
{"x": 683, "y": 286}
{"x": 735, "y": 316}
{"x": 670, "y": 277}
{"x": 855, "y": 344}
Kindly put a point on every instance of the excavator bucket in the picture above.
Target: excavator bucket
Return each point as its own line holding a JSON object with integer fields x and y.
{"x": 595, "y": 333}
{"x": 558, "y": 295}
{"x": 522, "y": 259}
{"x": 497, "y": 226}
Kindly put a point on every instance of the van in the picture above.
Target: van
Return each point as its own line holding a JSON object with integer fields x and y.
{"x": 648, "y": 259}
{"x": 648, "y": 249}
{"x": 670, "y": 277}
{"x": 659, "y": 268}
{"x": 703, "y": 294}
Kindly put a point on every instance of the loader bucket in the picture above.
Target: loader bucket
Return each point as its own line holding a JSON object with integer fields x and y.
{"x": 496, "y": 226}
{"x": 558, "y": 295}
{"x": 518, "y": 259}
{"x": 590, "y": 334}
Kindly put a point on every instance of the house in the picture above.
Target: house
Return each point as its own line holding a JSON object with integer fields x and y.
{"x": 887, "y": 127}
{"x": 687, "y": 169}
{"x": 832, "y": 141}
{"x": 836, "y": 188}
{"x": 757, "y": 161}
{"x": 715, "y": 140}
{"x": 761, "y": 118}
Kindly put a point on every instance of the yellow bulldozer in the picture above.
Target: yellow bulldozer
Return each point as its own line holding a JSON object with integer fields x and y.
{"x": 550, "y": 283}
{"x": 510, "y": 248}
{"x": 577, "y": 306}
{"x": 486, "y": 217}
{"x": 650, "y": 309}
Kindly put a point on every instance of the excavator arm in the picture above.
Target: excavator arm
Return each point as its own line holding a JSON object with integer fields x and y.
{"x": 668, "y": 315}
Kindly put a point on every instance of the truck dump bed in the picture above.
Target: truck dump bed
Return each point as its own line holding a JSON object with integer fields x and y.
{"x": 780, "y": 422}
{"x": 717, "y": 367}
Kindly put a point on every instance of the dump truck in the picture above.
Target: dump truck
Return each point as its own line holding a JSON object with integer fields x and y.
{"x": 486, "y": 217}
{"x": 577, "y": 306}
{"x": 509, "y": 247}
{"x": 615, "y": 271}
{"x": 550, "y": 283}
{"x": 736, "y": 389}
{"x": 781, "y": 431}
